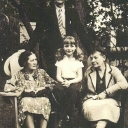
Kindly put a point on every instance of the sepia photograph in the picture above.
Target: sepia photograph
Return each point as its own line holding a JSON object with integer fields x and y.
{"x": 63, "y": 64}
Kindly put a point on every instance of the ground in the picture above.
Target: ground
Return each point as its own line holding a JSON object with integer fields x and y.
{"x": 7, "y": 118}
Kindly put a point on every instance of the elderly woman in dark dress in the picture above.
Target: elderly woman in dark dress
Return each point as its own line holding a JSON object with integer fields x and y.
{"x": 103, "y": 82}
{"x": 30, "y": 83}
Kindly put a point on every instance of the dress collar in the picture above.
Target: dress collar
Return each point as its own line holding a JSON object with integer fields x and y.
{"x": 66, "y": 58}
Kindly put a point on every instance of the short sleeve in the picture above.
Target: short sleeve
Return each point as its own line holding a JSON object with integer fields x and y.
{"x": 17, "y": 81}
{"x": 80, "y": 64}
{"x": 14, "y": 79}
{"x": 58, "y": 64}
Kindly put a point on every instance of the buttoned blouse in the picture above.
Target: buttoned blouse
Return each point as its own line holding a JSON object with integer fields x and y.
{"x": 69, "y": 67}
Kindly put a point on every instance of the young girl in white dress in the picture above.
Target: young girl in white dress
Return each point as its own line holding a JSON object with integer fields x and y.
{"x": 69, "y": 74}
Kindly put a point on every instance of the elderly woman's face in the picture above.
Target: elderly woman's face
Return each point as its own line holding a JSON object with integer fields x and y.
{"x": 97, "y": 59}
{"x": 32, "y": 62}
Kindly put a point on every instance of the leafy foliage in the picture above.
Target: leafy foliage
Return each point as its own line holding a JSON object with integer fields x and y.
{"x": 105, "y": 16}
{"x": 104, "y": 20}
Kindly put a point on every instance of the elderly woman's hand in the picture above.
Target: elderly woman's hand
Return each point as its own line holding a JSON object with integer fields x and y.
{"x": 18, "y": 94}
{"x": 95, "y": 97}
{"x": 28, "y": 90}
{"x": 39, "y": 89}
{"x": 100, "y": 96}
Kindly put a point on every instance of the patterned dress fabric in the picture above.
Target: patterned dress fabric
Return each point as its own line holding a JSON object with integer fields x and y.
{"x": 36, "y": 105}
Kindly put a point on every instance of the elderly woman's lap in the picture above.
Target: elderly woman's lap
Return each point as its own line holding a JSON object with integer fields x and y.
{"x": 107, "y": 109}
{"x": 38, "y": 105}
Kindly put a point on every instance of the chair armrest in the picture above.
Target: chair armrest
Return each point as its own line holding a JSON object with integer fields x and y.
{"x": 8, "y": 94}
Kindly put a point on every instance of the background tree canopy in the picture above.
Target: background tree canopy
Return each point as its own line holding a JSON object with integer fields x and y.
{"x": 99, "y": 17}
{"x": 106, "y": 21}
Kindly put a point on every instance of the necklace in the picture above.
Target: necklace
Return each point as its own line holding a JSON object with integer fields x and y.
{"x": 101, "y": 81}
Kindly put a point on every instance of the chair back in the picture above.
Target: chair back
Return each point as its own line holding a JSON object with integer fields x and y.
{"x": 11, "y": 65}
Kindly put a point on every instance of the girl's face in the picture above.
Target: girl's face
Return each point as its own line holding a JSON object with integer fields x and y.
{"x": 69, "y": 49}
{"x": 32, "y": 62}
{"x": 97, "y": 59}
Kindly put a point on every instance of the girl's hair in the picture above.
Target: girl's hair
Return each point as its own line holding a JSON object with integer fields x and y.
{"x": 69, "y": 40}
{"x": 23, "y": 58}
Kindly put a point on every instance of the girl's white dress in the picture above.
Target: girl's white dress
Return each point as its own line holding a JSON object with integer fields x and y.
{"x": 69, "y": 67}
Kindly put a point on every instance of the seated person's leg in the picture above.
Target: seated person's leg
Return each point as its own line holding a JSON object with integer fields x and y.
{"x": 59, "y": 93}
{"x": 73, "y": 91}
{"x": 43, "y": 122}
{"x": 29, "y": 120}
{"x": 72, "y": 110}
{"x": 72, "y": 95}
{"x": 59, "y": 97}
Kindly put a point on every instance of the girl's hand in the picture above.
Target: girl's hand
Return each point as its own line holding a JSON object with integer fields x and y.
{"x": 63, "y": 82}
{"x": 67, "y": 83}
